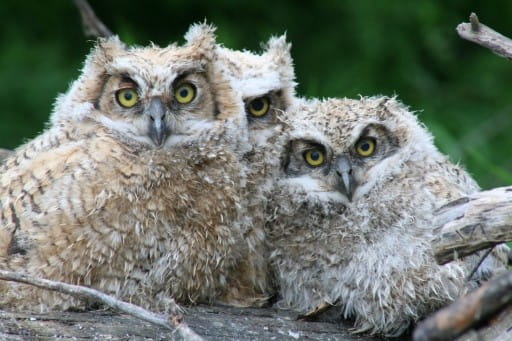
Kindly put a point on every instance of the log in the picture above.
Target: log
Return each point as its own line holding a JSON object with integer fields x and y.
{"x": 468, "y": 311}
{"x": 473, "y": 223}
{"x": 210, "y": 322}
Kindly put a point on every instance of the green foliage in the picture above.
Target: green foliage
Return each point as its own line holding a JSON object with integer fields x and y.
{"x": 341, "y": 48}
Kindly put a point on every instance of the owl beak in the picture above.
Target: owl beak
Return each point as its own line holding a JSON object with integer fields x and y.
{"x": 158, "y": 130}
{"x": 345, "y": 179}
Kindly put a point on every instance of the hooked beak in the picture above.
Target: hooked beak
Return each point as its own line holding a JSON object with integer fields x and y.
{"x": 158, "y": 130}
{"x": 345, "y": 179}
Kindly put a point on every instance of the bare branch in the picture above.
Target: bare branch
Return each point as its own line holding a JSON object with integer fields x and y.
{"x": 473, "y": 223}
{"x": 480, "y": 34}
{"x": 470, "y": 310}
{"x": 174, "y": 323}
{"x": 93, "y": 27}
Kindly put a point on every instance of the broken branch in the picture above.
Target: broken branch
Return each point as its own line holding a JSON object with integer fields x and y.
{"x": 473, "y": 223}
{"x": 93, "y": 27}
{"x": 480, "y": 34}
{"x": 452, "y": 321}
{"x": 174, "y": 323}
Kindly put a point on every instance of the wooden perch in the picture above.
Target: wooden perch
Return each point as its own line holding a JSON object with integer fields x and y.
{"x": 477, "y": 32}
{"x": 473, "y": 223}
{"x": 174, "y": 323}
{"x": 452, "y": 321}
{"x": 93, "y": 27}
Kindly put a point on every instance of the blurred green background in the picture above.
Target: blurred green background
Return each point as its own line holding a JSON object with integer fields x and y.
{"x": 341, "y": 48}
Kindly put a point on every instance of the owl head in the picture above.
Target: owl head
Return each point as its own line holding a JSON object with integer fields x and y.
{"x": 265, "y": 83}
{"x": 342, "y": 148}
{"x": 152, "y": 95}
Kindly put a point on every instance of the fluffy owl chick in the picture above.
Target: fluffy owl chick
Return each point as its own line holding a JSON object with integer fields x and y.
{"x": 352, "y": 214}
{"x": 265, "y": 86}
{"x": 134, "y": 187}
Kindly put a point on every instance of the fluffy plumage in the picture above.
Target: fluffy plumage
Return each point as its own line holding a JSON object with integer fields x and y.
{"x": 134, "y": 188}
{"x": 264, "y": 84}
{"x": 351, "y": 215}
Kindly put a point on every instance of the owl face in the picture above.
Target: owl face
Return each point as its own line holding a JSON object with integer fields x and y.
{"x": 341, "y": 149}
{"x": 264, "y": 82}
{"x": 152, "y": 95}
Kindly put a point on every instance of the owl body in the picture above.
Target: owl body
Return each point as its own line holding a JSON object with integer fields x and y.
{"x": 352, "y": 214}
{"x": 134, "y": 187}
{"x": 265, "y": 87}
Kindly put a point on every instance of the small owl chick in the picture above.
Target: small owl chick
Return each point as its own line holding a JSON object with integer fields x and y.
{"x": 134, "y": 187}
{"x": 265, "y": 87}
{"x": 351, "y": 215}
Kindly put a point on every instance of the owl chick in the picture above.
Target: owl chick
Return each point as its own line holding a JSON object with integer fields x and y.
{"x": 351, "y": 216}
{"x": 134, "y": 187}
{"x": 265, "y": 86}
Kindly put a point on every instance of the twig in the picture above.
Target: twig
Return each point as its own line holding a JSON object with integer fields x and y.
{"x": 480, "y": 34}
{"x": 93, "y": 27}
{"x": 470, "y": 310}
{"x": 474, "y": 223}
{"x": 174, "y": 323}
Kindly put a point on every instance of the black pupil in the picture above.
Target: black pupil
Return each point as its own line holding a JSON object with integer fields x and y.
{"x": 365, "y": 146}
{"x": 184, "y": 92}
{"x": 315, "y": 155}
{"x": 128, "y": 95}
{"x": 257, "y": 104}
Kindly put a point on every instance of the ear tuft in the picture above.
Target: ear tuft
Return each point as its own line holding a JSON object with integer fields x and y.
{"x": 201, "y": 37}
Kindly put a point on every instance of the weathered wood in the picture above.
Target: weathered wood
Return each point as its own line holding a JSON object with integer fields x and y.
{"x": 473, "y": 223}
{"x": 468, "y": 311}
{"x": 91, "y": 24}
{"x": 478, "y": 33}
{"x": 210, "y": 322}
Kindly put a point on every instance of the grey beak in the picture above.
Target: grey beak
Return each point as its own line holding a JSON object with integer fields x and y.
{"x": 345, "y": 178}
{"x": 158, "y": 130}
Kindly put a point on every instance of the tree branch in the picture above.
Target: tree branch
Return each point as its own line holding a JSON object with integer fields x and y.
{"x": 174, "y": 323}
{"x": 473, "y": 223}
{"x": 480, "y": 34}
{"x": 92, "y": 26}
{"x": 452, "y": 321}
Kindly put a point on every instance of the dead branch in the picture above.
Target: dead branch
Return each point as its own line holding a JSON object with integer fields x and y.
{"x": 92, "y": 26}
{"x": 174, "y": 323}
{"x": 473, "y": 223}
{"x": 480, "y": 34}
{"x": 452, "y": 321}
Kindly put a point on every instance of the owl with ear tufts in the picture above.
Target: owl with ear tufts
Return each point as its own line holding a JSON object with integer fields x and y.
{"x": 351, "y": 216}
{"x": 134, "y": 188}
{"x": 265, "y": 88}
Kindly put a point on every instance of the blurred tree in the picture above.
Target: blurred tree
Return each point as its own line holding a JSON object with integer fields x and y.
{"x": 341, "y": 48}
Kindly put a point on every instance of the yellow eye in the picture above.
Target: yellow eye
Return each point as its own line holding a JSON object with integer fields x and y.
{"x": 127, "y": 97}
{"x": 258, "y": 107}
{"x": 185, "y": 93}
{"x": 365, "y": 147}
{"x": 314, "y": 157}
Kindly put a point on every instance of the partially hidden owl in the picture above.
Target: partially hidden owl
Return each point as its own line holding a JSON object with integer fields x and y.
{"x": 265, "y": 87}
{"x": 350, "y": 219}
{"x": 134, "y": 187}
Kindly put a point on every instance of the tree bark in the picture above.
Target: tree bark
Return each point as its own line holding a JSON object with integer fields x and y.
{"x": 473, "y": 223}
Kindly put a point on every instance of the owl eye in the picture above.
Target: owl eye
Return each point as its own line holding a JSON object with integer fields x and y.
{"x": 127, "y": 97}
{"x": 314, "y": 157}
{"x": 259, "y": 107}
{"x": 185, "y": 93}
{"x": 366, "y": 146}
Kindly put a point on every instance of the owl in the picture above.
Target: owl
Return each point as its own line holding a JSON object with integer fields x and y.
{"x": 4, "y": 153}
{"x": 265, "y": 87}
{"x": 134, "y": 188}
{"x": 350, "y": 218}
